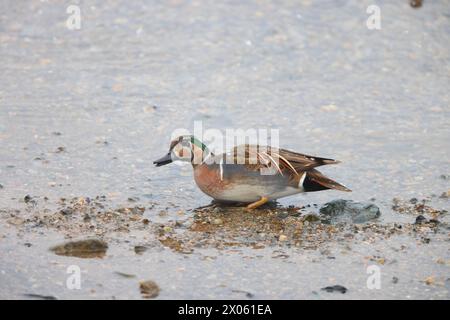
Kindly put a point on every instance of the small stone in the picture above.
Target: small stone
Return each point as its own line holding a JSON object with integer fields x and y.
{"x": 66, "y": 211}
{"x": 282, "y": 237}
{"x": 149, "y": 289}
{"x": 420, "y": 219}
{"x": 415, "y": 3}
{"x": 27, "y": 198}
{"x": 167, "y": 229}
{"x": 394, "y": 280}
{"x": 125, "y": 275}
{"x": 311, "y": 218}
{"x": 217, "y": 221}
{"x": 140, "y": 249}
{"x": 90, "y": 248}
{"x": 162, "y": 213}
{"x": 445, "y": 195}
{"x": 336, "y": 288}
{"x": 429, "y": 280}
{"x": 283, "y": 215}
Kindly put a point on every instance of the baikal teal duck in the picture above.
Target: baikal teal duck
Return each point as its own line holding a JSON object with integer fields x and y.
{"x": 250, "y": 174}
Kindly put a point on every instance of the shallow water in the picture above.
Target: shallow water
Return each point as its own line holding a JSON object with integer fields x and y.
{"x": 112, "y": 93}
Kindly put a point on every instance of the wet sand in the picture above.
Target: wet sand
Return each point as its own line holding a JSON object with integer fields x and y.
{"x": 84, "y": 113}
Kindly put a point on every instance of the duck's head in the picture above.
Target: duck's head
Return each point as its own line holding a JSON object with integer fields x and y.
{"x": 185, "y": 148}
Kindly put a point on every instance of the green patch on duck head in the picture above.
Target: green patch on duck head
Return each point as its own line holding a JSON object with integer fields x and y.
{"x": 198, "y": 143}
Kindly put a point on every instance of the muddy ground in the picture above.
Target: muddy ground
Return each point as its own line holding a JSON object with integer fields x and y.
{"x": 84, "y": 113}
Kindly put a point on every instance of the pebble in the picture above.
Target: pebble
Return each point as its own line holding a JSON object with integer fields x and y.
{"x": 140, "y": 249}
{"x": 415, "y": 3}
{"x": 349, "y": 211}
{"x": 90, "y": 248}
{"x": 420, "y": 219}
{"x": 149, "y": 289}
{"x": 335, "y": 288}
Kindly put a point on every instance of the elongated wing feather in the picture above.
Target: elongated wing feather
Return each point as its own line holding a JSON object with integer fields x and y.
{"x": 317, "y": 178}
{"x": 257, "y": 157}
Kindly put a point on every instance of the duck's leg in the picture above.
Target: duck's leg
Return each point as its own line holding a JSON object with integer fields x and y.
{"x": 258, "y": 203}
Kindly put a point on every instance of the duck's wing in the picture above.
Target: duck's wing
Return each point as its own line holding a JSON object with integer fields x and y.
{"x": 302, "y": 162}
{"x": 256, "y": 157}
{"x": 316, "y": 181}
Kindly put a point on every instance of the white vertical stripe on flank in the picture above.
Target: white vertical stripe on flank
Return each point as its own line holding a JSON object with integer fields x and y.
{"x": 221, "y": 169}
{"x": 302, "y": 179}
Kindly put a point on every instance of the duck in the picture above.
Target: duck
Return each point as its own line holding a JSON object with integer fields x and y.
{"x": 250, "y": 174}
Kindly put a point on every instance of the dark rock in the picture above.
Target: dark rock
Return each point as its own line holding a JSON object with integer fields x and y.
{"x": 336, "y": 288}
{"x": 27, "y": 198}
{"x": 394, "y": 280}
{"x": 1, "y": 186}
{"x": 247, "y": 294}
{"x": 349, "y": 211}
{"x": 125, "y": 275}
{"x": 140, "y": 249}
{"x": 66, "y": 211}
{"x": 39, "y": 296}
{"x": 420, "y": 219}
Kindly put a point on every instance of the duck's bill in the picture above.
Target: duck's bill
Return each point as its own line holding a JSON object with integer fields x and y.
{"x": 163, "y": 161}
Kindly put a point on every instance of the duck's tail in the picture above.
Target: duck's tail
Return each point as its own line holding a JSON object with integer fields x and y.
{"x": 316, "y": 181}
